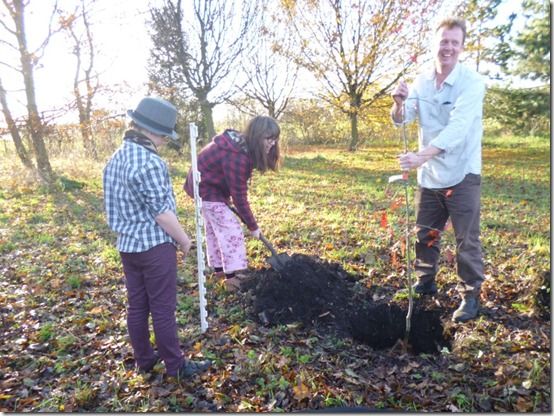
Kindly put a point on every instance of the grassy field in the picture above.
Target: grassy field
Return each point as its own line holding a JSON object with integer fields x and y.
{"x": 64, "y": 344}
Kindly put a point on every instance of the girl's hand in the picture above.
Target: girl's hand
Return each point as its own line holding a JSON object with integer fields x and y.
{"x": 256, "y": 233}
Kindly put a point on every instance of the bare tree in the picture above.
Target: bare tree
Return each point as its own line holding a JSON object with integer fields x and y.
{"x": 15, "y": 12}
{"x": 205, "y": 49}
{"x": 271, "y": 81}
{"x": 14, "y": 130}
{"x": 357, "y": 49}
{"x": 85, "y": 81}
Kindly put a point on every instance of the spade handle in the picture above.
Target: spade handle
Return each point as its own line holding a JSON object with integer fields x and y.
{"x": 270, "y": 247}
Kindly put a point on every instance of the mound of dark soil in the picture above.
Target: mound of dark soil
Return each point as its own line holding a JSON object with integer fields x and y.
{"x": 311, "y": 291}
{"x": 306, "y": 290}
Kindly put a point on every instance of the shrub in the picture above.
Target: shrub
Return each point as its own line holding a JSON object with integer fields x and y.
{"x": 523, "y": 111}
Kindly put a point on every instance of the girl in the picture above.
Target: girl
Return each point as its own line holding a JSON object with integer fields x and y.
{"x": 226, "y": 165}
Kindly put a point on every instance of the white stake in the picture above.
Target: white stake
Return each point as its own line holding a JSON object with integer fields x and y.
{"x": 193, "y": 130}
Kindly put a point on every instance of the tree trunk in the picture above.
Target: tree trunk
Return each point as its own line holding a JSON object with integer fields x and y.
{"x": 35, "y": 123}
{"x": 85, "y": 103}
{"x": 271, "y": 109}
{"x": 88, "y": 123}
{"x": 84, "y": 126}
{"x": 84, "y": 122}
{"x": 354, "y": 130}
{"x": 14, "y": 131}
{"x": 207, "y": 118}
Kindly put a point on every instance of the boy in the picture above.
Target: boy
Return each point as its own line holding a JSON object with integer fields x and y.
{"x": 140, "y": 207}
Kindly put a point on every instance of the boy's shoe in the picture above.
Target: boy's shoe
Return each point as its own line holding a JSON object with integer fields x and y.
{"x": 190, "y": 368}
{"x": 149, "y": 368}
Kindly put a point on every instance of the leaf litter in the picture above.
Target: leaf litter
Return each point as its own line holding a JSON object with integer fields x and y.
{"x": 65, "y": 348}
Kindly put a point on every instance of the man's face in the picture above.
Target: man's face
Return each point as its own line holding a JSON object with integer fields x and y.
{"x": 449, "y": 45}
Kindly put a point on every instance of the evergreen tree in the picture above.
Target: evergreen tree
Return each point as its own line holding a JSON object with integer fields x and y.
{"x": 532, "y": 44}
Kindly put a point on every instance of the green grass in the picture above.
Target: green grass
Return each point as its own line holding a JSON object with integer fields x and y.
{"x": 64, "y": 294}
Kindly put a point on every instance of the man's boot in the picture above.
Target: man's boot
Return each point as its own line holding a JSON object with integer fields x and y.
{"x": 468, "y": 309}
{"x": 427, "y": 288}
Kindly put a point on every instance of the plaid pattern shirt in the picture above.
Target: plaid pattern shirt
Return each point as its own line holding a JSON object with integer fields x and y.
{"x": 137, "y": 188}
{"x": 225, "y": 168}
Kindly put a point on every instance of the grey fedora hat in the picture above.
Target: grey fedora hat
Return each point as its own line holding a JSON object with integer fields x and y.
{"x": 156, "y": 115}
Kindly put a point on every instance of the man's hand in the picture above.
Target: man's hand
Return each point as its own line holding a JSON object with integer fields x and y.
{"x": 400, "y": 93}
{"x": 413, "y": 160}
{"x": 410, "y": 160}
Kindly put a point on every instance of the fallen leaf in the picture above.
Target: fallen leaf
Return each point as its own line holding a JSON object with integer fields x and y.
{"x": 384, "y": 222}
{"x": 449, "y": 255}
{"x": 351, "y": 373}
{"x": 523, "y": 404}
{"x": 96, "y": 310}
{"x": 301, "y": 391}
{"x": 396, "y": 203}
{"x": 434, "y": 236}
{"x": 527, "y": 384}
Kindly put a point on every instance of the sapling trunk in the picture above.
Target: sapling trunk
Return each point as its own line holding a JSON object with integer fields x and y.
{"x": 407, "y": 236}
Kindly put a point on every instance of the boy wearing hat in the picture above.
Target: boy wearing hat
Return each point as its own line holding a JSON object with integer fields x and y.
{"x": 140, "y": 207}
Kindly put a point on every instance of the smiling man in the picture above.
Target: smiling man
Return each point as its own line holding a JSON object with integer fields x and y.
{"x": 447, "y": 101}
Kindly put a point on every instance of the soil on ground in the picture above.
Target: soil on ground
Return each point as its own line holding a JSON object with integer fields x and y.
{"x": 314, "y": 292}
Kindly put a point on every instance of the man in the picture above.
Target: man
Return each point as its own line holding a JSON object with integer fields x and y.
{"x": 448, "y": 103}
{"x": 140, "y": 207}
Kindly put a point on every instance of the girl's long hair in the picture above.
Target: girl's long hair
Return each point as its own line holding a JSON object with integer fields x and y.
{"x": 257, "y": 131}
